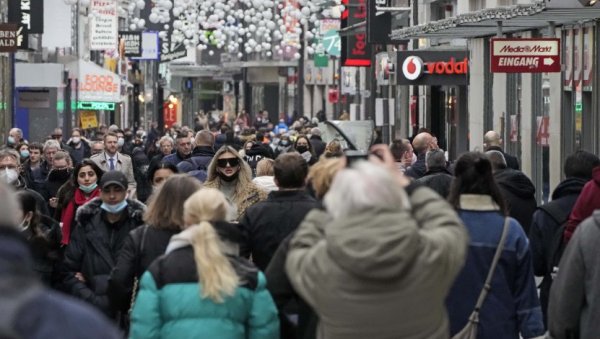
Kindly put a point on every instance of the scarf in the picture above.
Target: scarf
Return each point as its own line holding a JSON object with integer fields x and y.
{"x": 68, "y": 214}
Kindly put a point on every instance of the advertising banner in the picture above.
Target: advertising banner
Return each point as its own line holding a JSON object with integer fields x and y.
{"x": 150, "y": 46}
{"x": 88, "y": 119}
{"x": 348, "y": 80}
{"x": 525, "y": 55}
{"x": 27, "y": 13}
{"x": 104, "y": 26}
{"x": 9, "y": 37}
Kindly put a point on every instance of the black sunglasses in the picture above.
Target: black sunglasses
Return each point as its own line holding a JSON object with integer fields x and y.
{"x": 233, "y": 162}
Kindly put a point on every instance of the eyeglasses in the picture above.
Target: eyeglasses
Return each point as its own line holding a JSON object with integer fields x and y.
{"x": 232, "y": 162}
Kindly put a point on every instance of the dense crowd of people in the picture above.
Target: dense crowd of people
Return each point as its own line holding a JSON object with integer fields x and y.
{"x": 262, "y": 230}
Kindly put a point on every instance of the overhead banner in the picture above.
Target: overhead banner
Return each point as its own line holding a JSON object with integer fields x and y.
{"x": 130, "y": 44}
{"x": 525, "y": 55}
{"x": 355, "y": 50}
{"x": 27, "y": 13}
{"x": 104, "y": 26}
{"x": 9, "y": 37}
{"x": 433, "y": 68}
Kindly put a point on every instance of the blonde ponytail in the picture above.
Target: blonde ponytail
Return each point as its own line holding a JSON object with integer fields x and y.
{"x": 217, "y": 278}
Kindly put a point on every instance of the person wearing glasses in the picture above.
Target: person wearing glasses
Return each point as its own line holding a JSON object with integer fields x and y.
{"x": 102, "y": 225}
{"x": 230, "y": 174}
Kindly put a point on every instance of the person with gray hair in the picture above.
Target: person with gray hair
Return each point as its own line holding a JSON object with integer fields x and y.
{"x": 40, "y": 173}
{"x": 379, "y": 249}
{"x": 437, "y": 177}
{"x": 23, "y": 297}
{"x": 317, "y": 142}
{"x": 15, "y": 136}
{"x": 497, "y": 159}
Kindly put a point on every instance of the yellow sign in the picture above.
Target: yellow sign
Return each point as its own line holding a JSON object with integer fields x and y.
{"x": 88, "y": 119}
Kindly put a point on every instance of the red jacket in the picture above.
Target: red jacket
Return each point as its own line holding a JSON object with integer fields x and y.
{"x": 588, "y": 201}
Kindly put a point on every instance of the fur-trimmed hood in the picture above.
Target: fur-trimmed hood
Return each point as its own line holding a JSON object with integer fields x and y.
{"x": 135, "y": 209}
{"x": 248, "y": 197}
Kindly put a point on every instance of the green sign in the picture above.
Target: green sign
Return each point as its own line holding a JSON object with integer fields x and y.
{"x": 321, "y": 60}
{"x": 578, "y": 107}
{"x": 96, "y": 106}
{"x": 332, "y": 43}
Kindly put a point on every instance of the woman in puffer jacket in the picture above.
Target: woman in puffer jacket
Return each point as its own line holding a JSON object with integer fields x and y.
{"x": 201, "y": 288}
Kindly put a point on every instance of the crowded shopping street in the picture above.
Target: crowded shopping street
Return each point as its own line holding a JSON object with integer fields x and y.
{"x": 300, "y": 169}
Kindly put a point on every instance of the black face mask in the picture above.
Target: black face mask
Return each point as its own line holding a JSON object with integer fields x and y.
{"x": 302, "y": 149}
{"x": 59, "y": 175}
{"x": 227, "y": 178}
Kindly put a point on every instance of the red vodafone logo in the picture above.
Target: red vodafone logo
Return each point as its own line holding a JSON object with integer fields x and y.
{"x": 412, "y": 67}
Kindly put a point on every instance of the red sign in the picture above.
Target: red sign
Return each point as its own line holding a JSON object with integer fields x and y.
{"x": 170, "y": 113}
{"x": 542, "y": 136}
{"x": 433, "y": 68}
{"x": 355, "y": 50}
{"x": 525, "y": 55}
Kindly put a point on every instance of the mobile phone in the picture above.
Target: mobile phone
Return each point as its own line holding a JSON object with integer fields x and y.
{"x": 353, "y": 156}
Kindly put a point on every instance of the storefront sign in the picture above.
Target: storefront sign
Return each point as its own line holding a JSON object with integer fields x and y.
{"x": 96, "y": 106}
{"x": 130, "y": 44}
{"x": 525, "y": 55}
{"x": 9, "y": 37}
{"x": 433, "y": 68}
{"x": 27, "y": 13}
{"x": 34, "y": 99}
{"x": 355, "y": 50}
{"x": 103, "y": 25}
{"x": 97, "y": 84}
{"x": 169, "y": 114}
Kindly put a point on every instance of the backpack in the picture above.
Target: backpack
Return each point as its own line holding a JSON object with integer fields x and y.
{"x": 200, "y": 170}
{"x": 557, "y": 244}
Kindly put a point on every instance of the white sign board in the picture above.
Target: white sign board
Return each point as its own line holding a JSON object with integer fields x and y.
{"x": 97, "y": 83}
{"x": 150, "y": 46}
{"x": 104, "y": 26}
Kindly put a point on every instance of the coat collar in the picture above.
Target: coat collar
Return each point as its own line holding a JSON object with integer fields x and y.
{"x": 478, "y": 202}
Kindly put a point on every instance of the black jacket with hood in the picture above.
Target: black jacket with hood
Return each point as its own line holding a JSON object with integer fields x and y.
{"x": 519, "y": 193}
{"x": 438, "y": 179}
{"x": 543, "y": 229}
{"x": 94, "y": 249}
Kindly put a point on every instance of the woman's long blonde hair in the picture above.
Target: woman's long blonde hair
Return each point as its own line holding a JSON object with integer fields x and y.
{"x": 217, "y": 277}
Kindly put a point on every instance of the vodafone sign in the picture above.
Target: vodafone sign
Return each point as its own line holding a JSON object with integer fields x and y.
{"x": 525, "y": 55}
{"x": 433, "y": 68}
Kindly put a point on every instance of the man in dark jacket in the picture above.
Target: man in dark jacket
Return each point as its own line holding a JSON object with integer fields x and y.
{"x": 493, "y": 142}
{"x": 316, "y": 142}
{"x": 437, "y": 177}
{"x": 549, "y": 217}
{"x": 517, "y": 189}
{"x": 256, "y": 153}
{"x": 267, "y": 223}
{"x": 202, "y": 155}
{"x": 28, "y": 309}
{"x": 422, "y": 143}
{"x": 102, "y": 226}
{"x": 183, "y": 146}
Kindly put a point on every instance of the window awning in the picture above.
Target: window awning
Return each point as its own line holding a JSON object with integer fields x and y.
{"x": 518, "y": 18}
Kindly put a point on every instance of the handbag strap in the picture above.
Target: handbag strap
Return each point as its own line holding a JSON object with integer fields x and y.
{"x": 488, "y": 281}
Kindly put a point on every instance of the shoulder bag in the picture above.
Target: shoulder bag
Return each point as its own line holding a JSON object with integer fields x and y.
{"x": 470, "y": 329}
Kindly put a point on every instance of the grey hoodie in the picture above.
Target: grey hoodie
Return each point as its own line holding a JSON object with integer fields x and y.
{"x": 380, "y": 274}
{"x": 574, "y": 307}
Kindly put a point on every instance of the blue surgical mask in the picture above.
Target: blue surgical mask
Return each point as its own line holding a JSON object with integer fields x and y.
{"x": 89, "y": 188}
{"x": 114, "y": 209}
{"x": 24, "y": 154}
{"x": 11, "y": 140}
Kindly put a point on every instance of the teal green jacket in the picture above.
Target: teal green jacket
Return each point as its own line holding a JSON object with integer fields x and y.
{"x": 168, "y": 304}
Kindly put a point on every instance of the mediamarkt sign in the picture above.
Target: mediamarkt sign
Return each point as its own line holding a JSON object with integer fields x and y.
{"x": 525, "y": 55}
{"x": 433, "y": 68}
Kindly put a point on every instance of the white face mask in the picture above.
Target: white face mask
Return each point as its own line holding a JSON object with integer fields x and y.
{"x": 121, "y": 142}
{"x": 9, "y": 176}
{"x": 76, "y": 140}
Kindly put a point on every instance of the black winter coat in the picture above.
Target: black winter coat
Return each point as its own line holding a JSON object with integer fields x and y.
{"x": 543, "y": 228}
{"x": 94, "y": 249}
{"x": 140, "y": 248}
{"x": 267, "y": 223}
{"x": 318, "y": 145}
{"x": 45, "y": 249}
{"x": 511, "y": 161}
{"x": 519, "y": 193}
{"x": 438, "y": 180}
{"x": 418, "y": 169}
